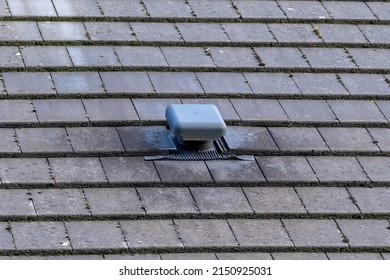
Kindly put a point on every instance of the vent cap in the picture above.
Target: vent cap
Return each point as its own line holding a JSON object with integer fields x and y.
{"x": 195, "y": 126}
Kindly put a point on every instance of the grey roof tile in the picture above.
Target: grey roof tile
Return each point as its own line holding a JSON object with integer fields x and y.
{"x": 60, "y": 111}
{"x": 16, "y": 202}
{"x": 62, "y": 31}
{"x": 195, "y": 172}
{"x": 53, "y": 56}
{"x": 248, "y": 32}
{"x": 380, "y": 9}
{"x": 294, "y": 33}
{"x": 340, "y": 33}
{"x": 304, "y": 9}
{"x": 93, "y": 56}
{"x": 202, "y": 32}
{"x": 384, "y": 108}
{"x": 8, "y": 141}
{"x": 17, "y": 111}
{"x": 68, "y": 8}
{"x": 225, "y": 57}
{"x": 25, "y": 83}
{"x": 348, "y": 10}
{"x": 213, "y": 9}
{"x": 272, "y": 84}
{"x": 32, "y": 8}
{"x": 376, "y": 34}
{"x": 333, "y": 58}
{"x": 366, "y": 84}
{"x": 221, "y": 200}
{"x": 7, "y": 242}
{"x": 141, "y": 56}
{"x": 139, "y": 235}
{"x": 371, "y": 58}
{"x": 10, "y": 57}
{"x": 155, "y": 31}
{"x": 153, "y": 109}
{"x": 183, "y": 57}
{"x": 382, "y": 138}
{"x": 319, "y": 84}
{"x": 122, "y": 8}
{"x": 189, "y": 256}
{"x": 173, "y": 8}
{"x": 354, "y": 256}
{"x": 371, "y": 200}
{"x": 19, "y": 31}
{"x": 79, "y": 171}
{"x": 244, "y": 256}
{"x": 176, "y": 83}
{"x": 299, "y": 256}
{"x": 377, "y": 168}
{"x": 4, "y": 10}
{"x": 126, "y": 82}
{"x": 78, "y": 82}
{"x": 282, "y": 58}
{"x": 109, "y": 31}
{"x": 253, "y": 9}
{"x": 132, "y": 257}
{"x": 259, "y": 110}
{"x": 223, "y": 83}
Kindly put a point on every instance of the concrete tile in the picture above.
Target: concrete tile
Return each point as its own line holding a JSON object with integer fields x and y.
{"x": 189, "y": 256}
{"x": 6, "y": 239}
{"x": 32, "y": 8}
{"x": 366, "y": 233}
{"x": 366, "y": 84}
{"x": 349, "y": 10}
{"x": 113, "y": 201}
{"x": 221, "y": 200}
{"x": 40, "y": 236}
{"x": 171, "y": 200}
{"x": 16, "y": 202}
{"x": 224, "y": 83}
{"x": 69, "y": 8}
{"x": 340, "y": 33}
{"x": 155, "y": 32}
{"x": 213, "y": 9}
{"x": 304, "y": 9}
{"x": 231, "y": 172}
{"x": 59, "y": 202}
{"x": 8, "y": 143}
{"x": 227, "y": 57}
{"x": 110, "y": 110}
{"x": 4, "y": 10}
{"x": 372, "y": 200}
{"x": 76, "y": 257}
{"x": 93, "y": 56}
{"x": 224, "y": 107}
{"x": 299, "y": 256}
{"x": 282, "y": 58}
{"x": 294, "y": 33}
{"x": 260, "y": 233}
{"x": 319, "y": 84}
{"x": 328, "y": 200}
{"x": 259, "y": 110}
{"x": 153, "y": 109}
{"x": 381, "y": 137}
{"x": 266, "y": 200}
{"x": 324, "y": 58}
{"x": 10, "y": 57}
{"x": 377, "y": 168}
{"x": 78, "y": 83}
{"x": 78, "y": 171}
{"x": 337, "y": 169}
{"x": 386, "y": 256}
{"x": 314, "y": 233}
{"x": 139, "y": 235}
{"x": 380, "y": 9}
{"x": 354, "y": 256}
{"x": 109, "y": 31}
{"x": 43, "y": 140}
{"x": 205, "y": 233}
{"x": 348, "y": 139}
{"x": 126, "y": 82}
{"x": 19, "y": 31}
{"x": 141, "y": 56}
{"x": 146, "y": 139}
{"x": 244, "y": 256}
{"x": 122, "y": 8}
{"x": 378, "y": 34}
{"x": 24, "y": 83}
{"x": 47, "y": 56}
{"x": 181, "y": 83}
{"x": 126, "y": 170}
{"x": 24, "y": 171}
{"x": 298, "y": 139}
{"x": 371, "y": 58}
{"x": 174, "y": 8}
{"x": 186, "y": 57}
{"x": 183, "y": 172}
{"x": 93, "y": 235}
{"x": 202, "y": 32}
{"x": 249, "y": 139}
{"x": 384, "y": 108}
{"x": 286, "y": 169}
{"x": 60, "y": 111}
{"x": 115, "y": 257}
{"x": 272, "y": 84}
{"x": 249, "y": 32}
{"x": 17, "y": 111}
{"x": 95, "y": 140}
{"x": 62, "y": 31}
{"x": 357, "y": 111}
{"x": 252, "y": 9}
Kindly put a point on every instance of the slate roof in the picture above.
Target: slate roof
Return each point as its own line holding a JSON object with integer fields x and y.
{"x": 304, "y": 86}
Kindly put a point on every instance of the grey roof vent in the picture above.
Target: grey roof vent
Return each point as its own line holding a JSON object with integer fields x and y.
{"x": 195, "y": 126}
{"x": 198, "y": 132}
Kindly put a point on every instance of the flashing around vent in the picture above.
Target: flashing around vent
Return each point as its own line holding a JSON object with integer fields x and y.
{"x": 198, "y": 132}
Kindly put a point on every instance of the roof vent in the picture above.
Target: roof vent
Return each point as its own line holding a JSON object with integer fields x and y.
{"x": 198, "y": 132}
{"x": 195, "y": 126}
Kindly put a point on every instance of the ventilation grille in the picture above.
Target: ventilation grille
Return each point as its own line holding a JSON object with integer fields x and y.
{"x": 220, "y": 151}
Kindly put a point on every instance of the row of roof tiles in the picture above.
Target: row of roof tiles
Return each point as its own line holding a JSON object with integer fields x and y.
{"x": 135, "y": 170}
{"x": 181, "y": 84}
{"x": 225, "y": 33}
{"x": 193, "y": 57}
{"x": 193, "y": 9}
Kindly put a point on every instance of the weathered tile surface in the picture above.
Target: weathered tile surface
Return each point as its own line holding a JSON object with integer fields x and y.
{"x": 28, "y": 83}
{"x": 371, "y": 200}
{"x": 60, "y": 111}
{"x": 16, "y": 203}
{"x": 183, "y": 172}
{"x": 80, "y": 82}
